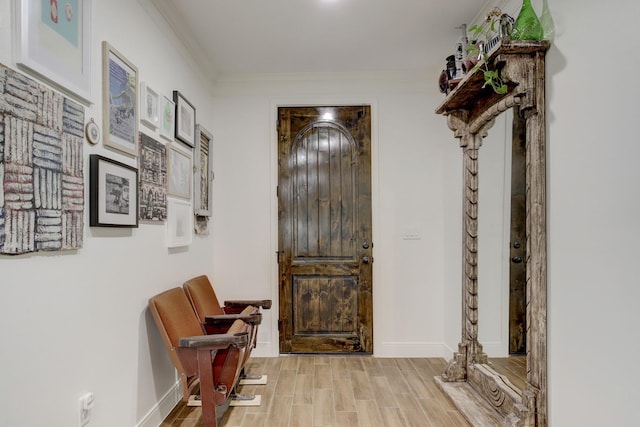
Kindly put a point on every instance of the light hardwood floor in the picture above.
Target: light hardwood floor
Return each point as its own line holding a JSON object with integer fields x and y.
{"x": 351, "y": 391}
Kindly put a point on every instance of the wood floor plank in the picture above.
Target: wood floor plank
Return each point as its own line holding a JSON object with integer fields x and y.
{"x": 322, "y": 376}
{"x": 303, "y": 392}
{"x": 300, "y": 416}
{"x": 347, "y": 419}
{"x": 369, "y": 414}
{"x": 340, "y": 391}
{"x": 280, "y": 412}
{"x": 382, "y": 392}
{"x": 392, "y": 417}
{"x": 306, "y": 365}
{"x": 323, "y": 413}
{"x": 343, "y": 397}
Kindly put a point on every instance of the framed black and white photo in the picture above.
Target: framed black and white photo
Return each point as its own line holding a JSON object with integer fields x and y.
{"x": 179, "y": 172}
{"x": 202, "y": 172}
{"x": 120, "y": 101}
{"x": 167, "y": 118}
{"x": 53, "y": 41}
{"x": 185, "y": 120}
{"x": 149, "y": 106}
{"x": 113, "y": 193}
{"x": 179, "y": 223}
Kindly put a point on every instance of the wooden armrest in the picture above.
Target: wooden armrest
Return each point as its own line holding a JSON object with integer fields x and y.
{"x": 262, "y": 303}
{"x": 215, "y": 342}
{"x": 218, "y": 319}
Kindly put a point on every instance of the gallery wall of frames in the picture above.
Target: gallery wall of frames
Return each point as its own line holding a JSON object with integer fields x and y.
{"x": 44, "y": 131}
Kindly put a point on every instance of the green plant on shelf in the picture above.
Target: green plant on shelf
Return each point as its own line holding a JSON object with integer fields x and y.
{"x": 491, "y": 76}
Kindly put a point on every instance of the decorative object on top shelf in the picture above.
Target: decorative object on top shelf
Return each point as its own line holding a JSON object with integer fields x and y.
{"x": 548, "y": 28}
{"x": 527, "y": 25}
{"x": 484, "y": 38}
{"x": 480, "y": 50}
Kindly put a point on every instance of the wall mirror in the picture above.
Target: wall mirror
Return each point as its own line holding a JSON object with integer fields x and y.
{"x": 482, "y": 394}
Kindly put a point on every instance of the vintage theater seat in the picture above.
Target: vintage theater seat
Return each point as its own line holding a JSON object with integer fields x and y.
{"x": 213, "y": 361}
{"x": 217, "y": 319}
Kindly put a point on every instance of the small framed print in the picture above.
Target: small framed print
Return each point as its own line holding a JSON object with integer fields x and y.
{"x": 113, "y": 193}
{"x": 149, "y": 106}
{"x": 167, "y": 118}
{"x": 179, "y": 172}
{"x": 202, "y": 172}
{"x": 120, "y": 101}
{"x": 185, "y": 120}
{"x": 179, "y": 223}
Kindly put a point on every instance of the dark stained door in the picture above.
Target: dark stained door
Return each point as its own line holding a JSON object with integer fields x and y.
{"x": 518, "y": 265}
{"x": 324, "y": 226}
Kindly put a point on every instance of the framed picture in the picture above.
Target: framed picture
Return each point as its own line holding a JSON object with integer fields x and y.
{"x": 120, "y": 99}
{"x": 179, "y": 172}
{"x": 167, "y": 118}
{"x": 179, "y": 223}
{"x": 113, "y": 193}
{"x": 202, "y": 173}
{"x": 53, "y": 41}
{"x": 149, "y": 106}
{"x": 185, "y": 119}
{"x": 152, "y": 171}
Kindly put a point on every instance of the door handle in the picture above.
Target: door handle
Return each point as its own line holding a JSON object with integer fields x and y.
{"x": 516, "y": 260}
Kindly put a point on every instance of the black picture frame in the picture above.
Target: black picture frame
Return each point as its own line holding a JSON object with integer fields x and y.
{"x": 113, "y": 193}
{"x": 185, "y": 129}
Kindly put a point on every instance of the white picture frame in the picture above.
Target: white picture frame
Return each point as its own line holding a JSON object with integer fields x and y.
{"x": 167, "y": 118}
{"x": 179, "y": 171}
{"x": 55, "y": 46}
{"x": 179, "y": 222}
{"x": 149, "y": 106}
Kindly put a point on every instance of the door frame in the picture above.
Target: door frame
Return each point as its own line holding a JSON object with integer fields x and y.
{"x": 273, "y": 211}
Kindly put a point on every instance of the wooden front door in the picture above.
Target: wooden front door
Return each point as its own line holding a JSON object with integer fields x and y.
{"x": 324, "y": 229}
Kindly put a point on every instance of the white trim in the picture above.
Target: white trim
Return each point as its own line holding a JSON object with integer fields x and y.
{"x": 163, "y": 408}
{"x": 412, "y": 349}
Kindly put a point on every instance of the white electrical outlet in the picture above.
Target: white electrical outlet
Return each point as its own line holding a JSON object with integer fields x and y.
{"x": 86, "y": 404}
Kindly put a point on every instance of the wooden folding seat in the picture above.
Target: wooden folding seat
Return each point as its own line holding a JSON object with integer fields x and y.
{"x": 212, "y": 361}
{"x": 217, "y": 319}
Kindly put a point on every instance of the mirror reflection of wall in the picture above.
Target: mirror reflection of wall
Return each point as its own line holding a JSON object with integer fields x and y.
{"x": 494, "y": 201}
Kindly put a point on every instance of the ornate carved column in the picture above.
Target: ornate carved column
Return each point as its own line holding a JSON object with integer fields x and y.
{"x": 471, "y": 110}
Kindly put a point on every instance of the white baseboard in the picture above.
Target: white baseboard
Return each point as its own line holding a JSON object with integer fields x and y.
{"x": 264, "y": 349}
{"x": 409, "y": 349}
{"x": 161, "y": 410}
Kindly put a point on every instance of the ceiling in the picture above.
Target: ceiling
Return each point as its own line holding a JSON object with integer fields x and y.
{"x": 257, "y": 37}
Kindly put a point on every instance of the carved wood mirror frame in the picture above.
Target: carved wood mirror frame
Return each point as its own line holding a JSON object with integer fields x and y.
{"x": 470, "y": 112}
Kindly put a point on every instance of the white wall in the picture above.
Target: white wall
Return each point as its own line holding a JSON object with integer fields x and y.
{"x": 409, "y": 142}
{"x": 593, "y": 214}
{"x": 77, "y": 321}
